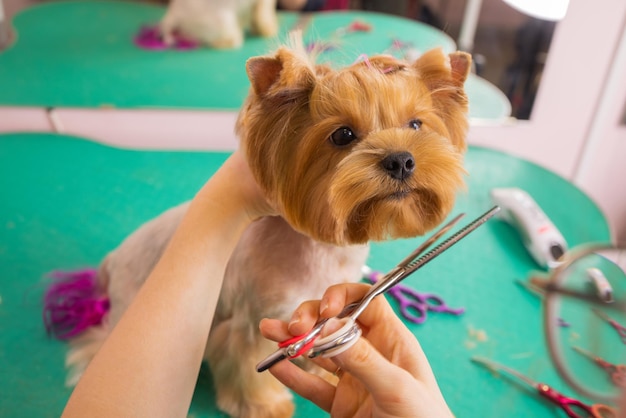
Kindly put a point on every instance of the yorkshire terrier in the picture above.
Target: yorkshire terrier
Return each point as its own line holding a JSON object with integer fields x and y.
{"x": 219, "y": 23}
{"x": 373, "y": 151}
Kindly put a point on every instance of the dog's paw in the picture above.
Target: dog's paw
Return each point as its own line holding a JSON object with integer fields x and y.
{"x": 231, "y": 40}
{"x": 266, "y": 26}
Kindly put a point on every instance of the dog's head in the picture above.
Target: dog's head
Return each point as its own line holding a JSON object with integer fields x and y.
{"x": 368, "y": 152}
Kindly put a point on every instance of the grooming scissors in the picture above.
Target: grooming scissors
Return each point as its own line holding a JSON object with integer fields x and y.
{"x": 619, "y": 328}
{"x": 617, "y": 372}
{"x": 414, "y": 305}
{"x": 572, "y": 407}
{"x": 342, "y": 339}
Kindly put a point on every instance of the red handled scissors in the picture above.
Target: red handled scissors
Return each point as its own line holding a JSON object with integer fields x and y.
{"x": 619, "y": 328}
{"x": 573, "y": 408}
{"x": 617, "y": 372}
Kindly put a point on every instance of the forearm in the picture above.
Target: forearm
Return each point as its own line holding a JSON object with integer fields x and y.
{"x": 149, "y": 364}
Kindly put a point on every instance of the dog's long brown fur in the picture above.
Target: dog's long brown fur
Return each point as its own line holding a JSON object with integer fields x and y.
{"x": 369, "y": 152}
{"x": 377, "y": 99}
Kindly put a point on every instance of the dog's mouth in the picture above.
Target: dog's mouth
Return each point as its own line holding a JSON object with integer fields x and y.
{"x": 399, "y": 195}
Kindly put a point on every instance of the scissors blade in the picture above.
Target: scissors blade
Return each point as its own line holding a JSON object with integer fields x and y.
{"x": 493, "y": 366}
{"x": 431, "y": 240}
{"x": 269, "y": 361}
{"x": 399, "y": 272}
{"x": 390, "y": 281}
{"x": 452, "y": 240}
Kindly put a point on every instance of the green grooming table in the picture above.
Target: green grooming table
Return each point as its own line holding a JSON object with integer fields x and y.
{"x": 81, "y": 54}
{"x": 67, "y": 201}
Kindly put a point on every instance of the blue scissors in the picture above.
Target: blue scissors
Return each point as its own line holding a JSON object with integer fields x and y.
{"x": 414, "y": 306}
{"x": 312, "y": 345}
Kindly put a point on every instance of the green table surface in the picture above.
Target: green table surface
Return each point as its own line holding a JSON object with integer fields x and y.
{"x": 67, "y": 201}
{"x": 81, "y": 54}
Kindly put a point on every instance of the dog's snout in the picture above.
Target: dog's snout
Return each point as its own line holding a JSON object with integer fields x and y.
{"x": 399, "y": 165}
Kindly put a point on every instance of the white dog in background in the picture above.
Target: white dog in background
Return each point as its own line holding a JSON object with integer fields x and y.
{"x": 219, "y": 23}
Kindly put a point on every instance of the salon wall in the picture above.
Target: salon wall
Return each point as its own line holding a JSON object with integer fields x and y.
{"x": 575, "y": 125}
{"x": 602, "y": 169}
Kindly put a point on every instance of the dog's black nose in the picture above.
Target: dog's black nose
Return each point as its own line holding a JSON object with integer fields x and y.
{"x": 399, "y": 165}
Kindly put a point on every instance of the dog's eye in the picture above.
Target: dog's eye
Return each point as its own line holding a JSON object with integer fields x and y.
{"x": 342, "y": 136}
{"x": 415, "y": 124}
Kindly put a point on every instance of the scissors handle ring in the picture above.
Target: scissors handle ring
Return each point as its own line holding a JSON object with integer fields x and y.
{"x": 339, "y": 341}
{"x": 618, "y": 376}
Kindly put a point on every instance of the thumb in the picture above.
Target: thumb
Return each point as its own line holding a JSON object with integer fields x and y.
{"x": 364, "y": 362}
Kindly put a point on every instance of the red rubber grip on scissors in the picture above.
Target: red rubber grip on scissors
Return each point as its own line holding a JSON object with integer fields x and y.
{"x": 306, "y": 347}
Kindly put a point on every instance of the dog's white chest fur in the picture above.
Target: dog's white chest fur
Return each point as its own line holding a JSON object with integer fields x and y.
{"x": 275, "y": 268}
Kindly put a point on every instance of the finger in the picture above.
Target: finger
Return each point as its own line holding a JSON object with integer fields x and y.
{"x": 274, "y": 329}
{"x": 304, "y": 317}
{"x": 326, "y": 364}
{"x": 372, "y": 369}
{"x": 392, "y": 347}
{"x": 380, "y": 324}
{"x": 338, "y": 296}
{"x": 307, "y": 385}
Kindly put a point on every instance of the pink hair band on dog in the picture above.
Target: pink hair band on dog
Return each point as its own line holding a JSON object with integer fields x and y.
{"x": 364, "y": 58}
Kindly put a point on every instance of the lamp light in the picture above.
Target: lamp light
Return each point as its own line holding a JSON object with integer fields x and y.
{"x": 552, "y": 10}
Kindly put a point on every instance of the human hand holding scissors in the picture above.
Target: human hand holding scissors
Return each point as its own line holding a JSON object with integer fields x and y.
{"x": 313, "y": 346}
{"x": 574, "y": 408}
{"x": 388, "y": 348}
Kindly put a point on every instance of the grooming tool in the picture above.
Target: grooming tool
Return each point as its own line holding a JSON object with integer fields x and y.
{"x": 541, "y": 238}
{"x": 603, "y": 295}
{"x": 414, "y": 306}
{"x": 560, "y": 322}
{"x": 617, "y": 372}
{"x": 346, "y": 336}
{"x": 602, "y": 285}
{"x": 621, "y": 330}
{"x": 574, "y": 408}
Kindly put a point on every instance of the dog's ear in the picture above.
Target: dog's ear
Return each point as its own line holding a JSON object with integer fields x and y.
{"x": 288, "y": 72}
{"x": 460, "y": 66}
{"x": 445, "y": 76}
{"x": 263, "y": 72}
{"x": 438, "y": 70}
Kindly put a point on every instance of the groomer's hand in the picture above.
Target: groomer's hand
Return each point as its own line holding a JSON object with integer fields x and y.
{"x": 385, "y": 374}
{"x": 235, "y": 175}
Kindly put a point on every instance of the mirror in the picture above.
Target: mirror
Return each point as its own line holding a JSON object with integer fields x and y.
{"x": 586, "y": 323}
{"x": 509, "y": 47}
